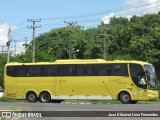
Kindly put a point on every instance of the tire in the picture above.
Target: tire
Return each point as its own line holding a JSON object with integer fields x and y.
{"x": 45, "y": 97}
{"x": 125, "y": 98}
{"x": 31, "y": 97}
{"x": 133, "y": 101}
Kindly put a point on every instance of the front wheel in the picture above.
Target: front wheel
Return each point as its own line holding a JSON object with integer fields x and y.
{"x": 125, "y": 98}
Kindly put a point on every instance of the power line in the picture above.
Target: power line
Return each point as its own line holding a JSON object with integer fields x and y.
{"x": 21, "y": 32}
{"x": 102, "y": 12}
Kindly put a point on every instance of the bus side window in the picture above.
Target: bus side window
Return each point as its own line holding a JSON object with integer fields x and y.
{"x": 80, "y": 70}
{"x": 50, "y": 70}
{"x": 119, "y": 70}
{"x": 16, "y": 71}
{"x": 84, "y": 70}
{"x": 72, "y": 70}
{"x": 10, "y": 71}
{"x": 102, "y": 70}
{"x": 98, "y": 70}
{"x": 64, "y": 70}
{"x": 116, "y": 70}
{"x": 34, "y": 71}
{"x": 88, "y": 70}
{"x": 21, "y": 71}
{"x": 135, "y": 71}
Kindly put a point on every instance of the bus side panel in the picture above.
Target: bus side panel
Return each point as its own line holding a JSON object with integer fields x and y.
{"x": 85, "y": 87}
{"x": 10, "y": 88}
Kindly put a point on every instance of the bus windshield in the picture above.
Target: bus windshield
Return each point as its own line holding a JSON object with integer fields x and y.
{"x": 151, "y": 77}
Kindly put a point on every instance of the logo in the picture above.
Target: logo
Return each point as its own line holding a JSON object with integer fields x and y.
{"x": 6, "y": 114}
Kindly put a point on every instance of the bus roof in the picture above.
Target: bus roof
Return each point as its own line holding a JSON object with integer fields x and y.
{"x": 79, "y": 61}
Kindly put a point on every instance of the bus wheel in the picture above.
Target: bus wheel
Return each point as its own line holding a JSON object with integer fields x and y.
{"x": 125, "y": 98}
{"x": 31, "y": 97}
{"x": 44, "y": 97}
{"x": 133, "y": 101}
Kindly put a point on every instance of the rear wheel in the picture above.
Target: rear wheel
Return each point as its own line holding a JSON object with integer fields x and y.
{"x": 125, "y": 97}
{"x": 32, "y": 97}
{"x": 44, "y": 97}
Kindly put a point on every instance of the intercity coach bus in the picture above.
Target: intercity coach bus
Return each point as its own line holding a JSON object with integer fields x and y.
{"x": 93, "y": 79}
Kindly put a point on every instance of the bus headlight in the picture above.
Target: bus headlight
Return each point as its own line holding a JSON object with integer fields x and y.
{"x": 151, "y": 93}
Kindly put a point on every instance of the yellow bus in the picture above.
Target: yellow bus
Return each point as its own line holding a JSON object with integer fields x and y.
{"x": 93, "y": 79}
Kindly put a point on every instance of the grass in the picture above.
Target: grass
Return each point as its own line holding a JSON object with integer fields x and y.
{"x": 4, "y": 118}
{"x": 158, "y": 100}
{"x": 93, "y": 101}
{"x": 3, "y": 99}
{"x": 104, "y": 101}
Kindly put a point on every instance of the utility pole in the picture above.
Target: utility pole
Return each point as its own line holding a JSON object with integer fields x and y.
{"x": 15, "y": 48}
{"x": 25, "y": 44}
{"x": 2, "y": 49}
{"x": 33, "y": 38}
{"x": 9, "y": 39}
{"x": 104, "y": 34}
{"x": 71, "y": 24}
{"x": 8, "y": 44}
{"x": 104, "y": 47}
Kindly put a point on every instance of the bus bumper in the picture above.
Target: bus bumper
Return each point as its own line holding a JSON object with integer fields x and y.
{"x": 153, "y": 95}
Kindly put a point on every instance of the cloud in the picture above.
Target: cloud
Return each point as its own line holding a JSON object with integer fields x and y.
{"x": 4, "y": 39}
{"x": 17, "y": 47}
{"x": 134, "y": 7}
{"x": 141, "y": 7}
{"x": 3, "y": 34}
{"x": 106, "y": 19}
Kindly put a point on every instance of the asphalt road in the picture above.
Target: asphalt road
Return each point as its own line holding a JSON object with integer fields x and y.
{"x": 81, "y": 107}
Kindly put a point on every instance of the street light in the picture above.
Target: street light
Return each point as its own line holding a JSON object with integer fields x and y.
{"x": 75, "y": 52}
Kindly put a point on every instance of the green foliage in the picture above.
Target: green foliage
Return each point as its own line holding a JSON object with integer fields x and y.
{"x": 3, "y": 99}
{"x": 120, "y": 57}
{"x": 3, "y": 59}
{"x": 134, "y": 39}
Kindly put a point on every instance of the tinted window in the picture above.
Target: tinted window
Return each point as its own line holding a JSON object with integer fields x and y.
{"x": 88, "y": 70}
{"x": 102, "y": 70}
{"x": 80, "y": 70}
{"x": 50, "y": 70}
{"x": 119, "y": 70}
{"x": 16, "y": 71}
{"x": 72, "y": 70}
{"x": 63, "y": 70}
{"x": 34, "y": 71}
{"x": 136, "y": 71}
{"x": 84, "y": 70}
{"x": 67, "y": 70}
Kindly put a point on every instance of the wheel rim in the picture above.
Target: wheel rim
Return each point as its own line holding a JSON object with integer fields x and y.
{"x": 31, "y": 97}
{"x": 45, "y": 98}
{"x": 125, "y": 98}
